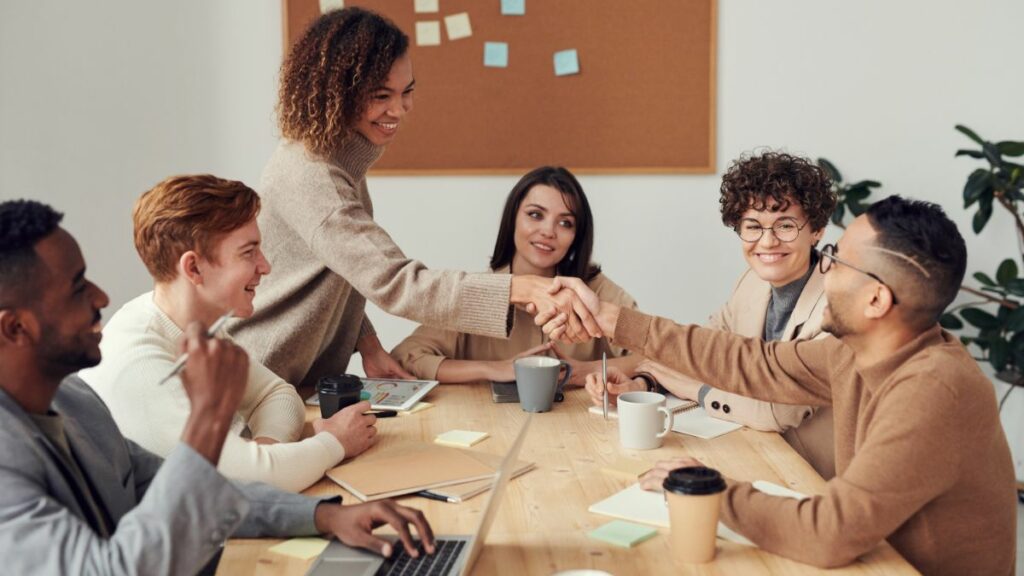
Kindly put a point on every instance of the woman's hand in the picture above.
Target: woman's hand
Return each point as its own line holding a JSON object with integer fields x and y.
{"x": 504, "y": 370}
{"x": 618, "y": 383}
{"x": 377, "y": 363}
{"x": 653, "y": 478}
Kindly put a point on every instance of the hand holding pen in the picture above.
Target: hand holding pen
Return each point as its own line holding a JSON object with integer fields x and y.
{"x": 183, "y": 359}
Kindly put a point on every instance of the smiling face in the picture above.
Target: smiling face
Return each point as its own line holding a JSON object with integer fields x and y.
{"x": 68, "y": 309}
{"x": 774, "y": 261}
{"x": 230, "y": 276}
{"x": 389, "y": 104}
{"x": 545, "y": 229}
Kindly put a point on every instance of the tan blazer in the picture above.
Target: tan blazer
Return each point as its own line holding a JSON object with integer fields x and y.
{"x": 808, "y": 429}
{"x": 424, "y": 350}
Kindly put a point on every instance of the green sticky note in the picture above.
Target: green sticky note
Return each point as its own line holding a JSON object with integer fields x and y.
{"x": 567, "y": 62}
{"x": 625, "y": 534}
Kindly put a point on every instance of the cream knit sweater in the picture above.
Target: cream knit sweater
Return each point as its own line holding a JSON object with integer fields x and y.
{"x": 329, "y": 257}
{"x": 139, "y": 348}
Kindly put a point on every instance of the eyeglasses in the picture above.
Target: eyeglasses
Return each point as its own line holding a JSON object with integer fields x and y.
{"x": 828, "y": 256}
{"x": 784, "y": 229}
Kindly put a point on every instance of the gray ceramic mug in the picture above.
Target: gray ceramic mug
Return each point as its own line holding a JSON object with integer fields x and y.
{"x": 537, "y": 381}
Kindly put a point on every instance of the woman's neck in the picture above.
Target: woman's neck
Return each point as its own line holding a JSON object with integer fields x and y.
{"x": 182, "y": 305}
{"x": 520, "y": 267}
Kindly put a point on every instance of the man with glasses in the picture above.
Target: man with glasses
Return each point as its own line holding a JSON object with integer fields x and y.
{"x": 921, "y": 458}
{"x": 779, "y": 205}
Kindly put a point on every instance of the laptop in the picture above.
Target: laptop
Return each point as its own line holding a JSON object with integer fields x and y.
{"x": 453, "y": 555}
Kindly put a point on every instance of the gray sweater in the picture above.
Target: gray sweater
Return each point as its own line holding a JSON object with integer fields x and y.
{"x": 329, "y": 256}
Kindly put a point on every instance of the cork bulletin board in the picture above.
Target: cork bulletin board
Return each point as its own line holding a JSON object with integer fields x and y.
{"x": 643, "y": 100}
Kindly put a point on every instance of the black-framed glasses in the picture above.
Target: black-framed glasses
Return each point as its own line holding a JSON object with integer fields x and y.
{"x": 827, "y": 255}
{"x": 784, "y": 229}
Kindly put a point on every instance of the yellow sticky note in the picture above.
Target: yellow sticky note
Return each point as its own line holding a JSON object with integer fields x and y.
{"x": 301, "y": 548}
{"x": 428, "y": 33}
{"x": 461, "y": 438}
{"x": 626, "y": 467}
{"x": 458, "y": 26}
{"x": 419, "y": 407}
{"x": 328, "y": 5}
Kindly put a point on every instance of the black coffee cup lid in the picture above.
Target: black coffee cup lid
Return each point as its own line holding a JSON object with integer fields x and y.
{"x": 694, "y": 481}
{"x": 340, "y": 383}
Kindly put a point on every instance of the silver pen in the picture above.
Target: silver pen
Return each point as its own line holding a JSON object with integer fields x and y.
{"x": 210, "y": 333}
{"x": 604, "y": 382}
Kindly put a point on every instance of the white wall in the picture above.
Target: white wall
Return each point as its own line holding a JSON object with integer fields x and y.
{"x": 100, "y": 100}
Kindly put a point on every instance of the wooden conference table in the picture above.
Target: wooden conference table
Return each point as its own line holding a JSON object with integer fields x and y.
{"x": 542, "y": 524}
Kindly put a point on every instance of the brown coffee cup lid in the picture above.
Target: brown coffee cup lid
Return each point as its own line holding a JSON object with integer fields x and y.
{"x": 694, "y": 481}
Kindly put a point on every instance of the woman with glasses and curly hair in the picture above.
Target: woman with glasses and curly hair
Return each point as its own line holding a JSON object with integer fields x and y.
{"x": 546, "y": 229}
{"x": 778, "y": 204}
{"x": 346, "y": 88}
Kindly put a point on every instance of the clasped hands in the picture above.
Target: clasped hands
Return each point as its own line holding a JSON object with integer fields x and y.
{"x": 566, "y": 308}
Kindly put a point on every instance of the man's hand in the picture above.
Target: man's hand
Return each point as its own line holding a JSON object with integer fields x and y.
{"x": 356, "y": 431}
{"x": 215, "y": 377}
{"x": 354, "y": 525}
{"x": 618, "y": 383}
{"x": 377, "y": 363}
{"x": 567, "y": 296}
{"x": 553, "y": 322}
{"x": 653, "y": 478}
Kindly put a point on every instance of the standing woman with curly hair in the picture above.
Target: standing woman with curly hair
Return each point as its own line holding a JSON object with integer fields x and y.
{"x": 778, "y": 204}
{"x": 346, "y": 87}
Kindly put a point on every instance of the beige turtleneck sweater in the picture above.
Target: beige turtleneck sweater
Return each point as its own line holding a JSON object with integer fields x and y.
{"x": 921, "y": 458}
{"x": 329, "y": 257}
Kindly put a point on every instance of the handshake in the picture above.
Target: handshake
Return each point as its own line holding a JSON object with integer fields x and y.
{"x": 566, "y": 308}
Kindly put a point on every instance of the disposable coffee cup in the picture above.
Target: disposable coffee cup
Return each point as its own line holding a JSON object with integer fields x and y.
{"x": 537, "y": 381}
{"x": 694, "y": 495}
{"x": 337, "y": 393}
{"x": 643, "y": 420}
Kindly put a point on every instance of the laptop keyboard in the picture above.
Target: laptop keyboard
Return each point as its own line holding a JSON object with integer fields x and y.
{"x": 439, "y": 563}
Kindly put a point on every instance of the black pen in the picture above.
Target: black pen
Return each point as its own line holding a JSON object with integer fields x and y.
{"x": 432, "y": 496}
{"x": 383, "y": 414}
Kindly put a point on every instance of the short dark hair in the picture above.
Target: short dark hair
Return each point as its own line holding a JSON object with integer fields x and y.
{"x": 577, "y": 260}
{"x": 23, "y": 223}
{"x": 772, "y": 181}
{"x": 922, "y": 232}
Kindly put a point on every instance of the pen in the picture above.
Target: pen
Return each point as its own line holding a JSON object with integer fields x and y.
{"x": 604, "y": 382}
{"x": 432, "y": 496}
{"x": 184, "y": 357}
{"x": 383, "y": 413}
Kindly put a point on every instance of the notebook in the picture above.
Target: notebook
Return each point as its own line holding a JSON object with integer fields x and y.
{"x": 635, "y": 504}
{"x": 466, "y": 490}
{"x": 689, "y": 419}
{"x": 409, "y": 468}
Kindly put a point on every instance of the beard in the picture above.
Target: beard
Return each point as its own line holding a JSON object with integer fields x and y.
{"x": 64, "y": 354}
{"x": 834, "y": 322}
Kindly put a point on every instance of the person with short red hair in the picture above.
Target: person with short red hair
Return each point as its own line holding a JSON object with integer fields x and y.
{"x": 198, "y": 237}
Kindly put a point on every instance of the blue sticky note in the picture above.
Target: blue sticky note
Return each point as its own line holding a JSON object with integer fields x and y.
{"x": 513, "y": 7}
{"x": 496, "y": 54}
{"x": 567, "y": 62}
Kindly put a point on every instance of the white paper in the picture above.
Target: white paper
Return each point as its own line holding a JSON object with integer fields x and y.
{"x": 458, "y": 26}
{"x": 428, "y": 33}
{"x": 425, "y": 6}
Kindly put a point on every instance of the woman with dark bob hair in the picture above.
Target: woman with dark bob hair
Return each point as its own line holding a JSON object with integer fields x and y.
{"x": 346, "y": 87}
{"x": 546, "y": 229}
{"x": 778, "y": 204}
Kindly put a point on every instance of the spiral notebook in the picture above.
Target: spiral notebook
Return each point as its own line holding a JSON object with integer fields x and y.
{"x": 688, "y": 418}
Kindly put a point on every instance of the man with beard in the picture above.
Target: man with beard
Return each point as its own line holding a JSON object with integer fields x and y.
{"x": 77, "y": 497}
{"x": 921, "y": 458}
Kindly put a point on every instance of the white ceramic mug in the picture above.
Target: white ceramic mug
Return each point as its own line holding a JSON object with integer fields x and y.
{"x": 643, "y": 420}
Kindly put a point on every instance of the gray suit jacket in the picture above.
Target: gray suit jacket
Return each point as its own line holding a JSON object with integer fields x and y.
{"x": 170, "y": 515}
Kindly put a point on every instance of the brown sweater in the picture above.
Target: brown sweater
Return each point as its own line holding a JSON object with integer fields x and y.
{"x": 329, "y": 257}
{"x": 921, "y": 458}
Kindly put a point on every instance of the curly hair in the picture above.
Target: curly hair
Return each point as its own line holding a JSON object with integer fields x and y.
{"x": 185, "y": 213}
{"x": 330, "y": 72}
{"x": 23, "y": 223}
{"x": 772, "y": 181}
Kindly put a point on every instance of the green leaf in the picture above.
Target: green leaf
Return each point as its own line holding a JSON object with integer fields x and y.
{"x": 979, "y": 182}
{"x": 858, "y": 208}
{"x": 984, "y": 279}
{"x": 837, "y": 215}
{"x": 1015, "y": 321}
{"x": 969, "y": 133}
{"x": 857, "y": 193}
{"x": 829, "y": 167}
{"x": 950, "y": 322}
{"x": 998, "y": 354}
{"x": 979, "y": 318}
{"x": 1007, "y": 272}
{"x": 1016, "y": 287}
{"x": 971, "y": 153}
{"x": 992, "y": 154}
{"x": 982, "y": 215}
{"x": 1009, "y": 148}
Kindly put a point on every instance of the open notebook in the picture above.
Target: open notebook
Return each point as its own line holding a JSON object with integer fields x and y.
{"x": 638, "y": 505}
{"x": 688, "y": 418}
